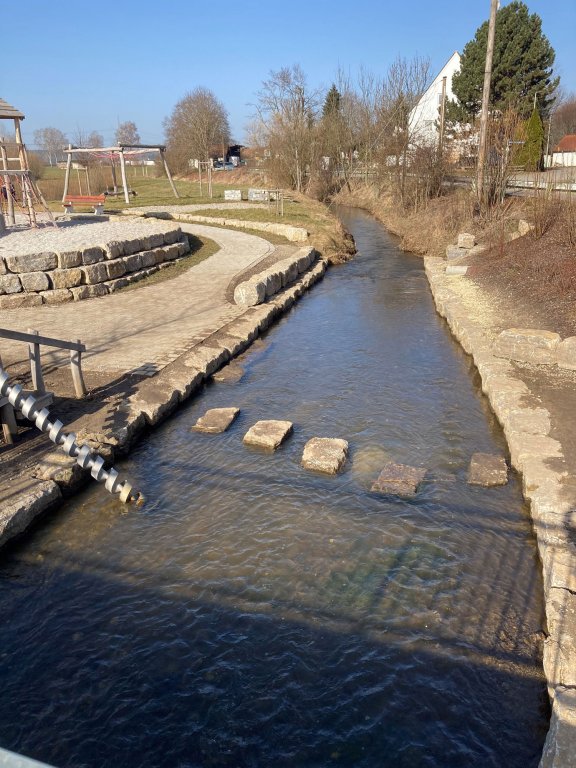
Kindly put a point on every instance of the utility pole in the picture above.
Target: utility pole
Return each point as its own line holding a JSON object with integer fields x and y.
{"x": 442, "y": 115}
{"x": 486, "y": 101}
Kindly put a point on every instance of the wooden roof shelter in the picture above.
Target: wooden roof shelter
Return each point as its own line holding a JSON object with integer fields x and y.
{"x": 30, "y": 191}
{"x": 131, "y": 149}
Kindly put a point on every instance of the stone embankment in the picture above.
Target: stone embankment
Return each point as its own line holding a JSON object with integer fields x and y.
{"x": 265, "y": 284}
{"x": 83, "y": 262}
{"x": 539, "y": 459}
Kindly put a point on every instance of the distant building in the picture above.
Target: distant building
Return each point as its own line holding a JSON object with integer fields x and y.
{"x": 564, "y": 154}
{"x": 424, "y": 118}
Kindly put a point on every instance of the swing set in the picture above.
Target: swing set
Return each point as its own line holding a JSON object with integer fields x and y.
{"x": 121, "y": 152}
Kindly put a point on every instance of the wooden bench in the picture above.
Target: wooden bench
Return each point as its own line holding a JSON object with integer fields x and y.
{"x": 97, "y": 201}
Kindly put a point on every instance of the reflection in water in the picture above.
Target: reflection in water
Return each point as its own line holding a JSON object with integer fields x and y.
{"x": 253, "y": 614}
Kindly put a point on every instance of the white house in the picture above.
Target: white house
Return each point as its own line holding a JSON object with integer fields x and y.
{"x": 424, "y": 117}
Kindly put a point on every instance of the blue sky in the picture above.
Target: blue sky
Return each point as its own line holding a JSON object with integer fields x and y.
{"x": 92, "y": 65}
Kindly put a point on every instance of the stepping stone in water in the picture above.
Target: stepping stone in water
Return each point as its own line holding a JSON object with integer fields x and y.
{"x": 399, "y": 480}
{"x": 268, "y": 434}
{"x": 230, "y": 374}
{"x": 216, "y": 420}
{"x": 488, "y": 470}
{"x": 325, "y": 454}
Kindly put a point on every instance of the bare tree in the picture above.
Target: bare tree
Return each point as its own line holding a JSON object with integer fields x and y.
{"x": 52, "y": 141}
{"x": 287, "y": 111}
{"x": 198, "y": 124}
{"x": 127, "y": 133}
{"x": 563, "y": 119}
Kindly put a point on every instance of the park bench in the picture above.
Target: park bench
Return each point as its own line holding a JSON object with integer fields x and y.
{"x": 97, "y": 201}
{"x": 34, "y": 340}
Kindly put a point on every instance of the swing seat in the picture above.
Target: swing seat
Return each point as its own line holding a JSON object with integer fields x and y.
{"x": 96, "y": 201}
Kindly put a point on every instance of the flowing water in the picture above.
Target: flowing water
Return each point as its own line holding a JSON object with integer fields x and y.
{"x": 255, "y": 614}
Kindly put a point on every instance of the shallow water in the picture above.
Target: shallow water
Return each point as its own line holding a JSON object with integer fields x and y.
{"x": 254, "y": 614}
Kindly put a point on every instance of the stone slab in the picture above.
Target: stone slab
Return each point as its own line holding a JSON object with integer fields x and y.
{"x": 466, "y": 240}
{"x": 487, "y": 470}
{"x": 456, "y": 269}
{"x": 325, "y": 454}
{"x": 268, "y": 434}
{"x": 399, "y": 480}
{"x": 216, "y": 420}
{"x": 560, "y": 746}
{"x": 527, "y": 345}
{"x": 29, "y": 498}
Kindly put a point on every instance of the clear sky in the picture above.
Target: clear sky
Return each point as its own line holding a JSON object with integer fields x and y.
{"x": 93, "y": 65}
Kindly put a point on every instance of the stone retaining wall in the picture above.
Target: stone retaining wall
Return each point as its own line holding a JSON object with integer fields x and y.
{"x": 291, "y": 233}
{"x": 539, "y": 459}
{"x": 267, "y": 283}
{"x": 83, "y": 272}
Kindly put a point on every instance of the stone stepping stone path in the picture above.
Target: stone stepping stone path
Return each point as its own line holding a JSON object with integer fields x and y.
{"x": 325, "y": 454}
{"x": 399, "y": 480}
{"x": 268, "y": 435}
{"x": 487, "y": 470}
{"x": 216, "y": 420}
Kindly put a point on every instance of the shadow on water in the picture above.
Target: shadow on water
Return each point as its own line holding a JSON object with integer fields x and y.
{"x": 252, "y": 614}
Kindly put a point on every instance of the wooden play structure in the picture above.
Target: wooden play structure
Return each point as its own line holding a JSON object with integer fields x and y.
{"x": 120, "y": 152}
{"x": 17, "y": 182}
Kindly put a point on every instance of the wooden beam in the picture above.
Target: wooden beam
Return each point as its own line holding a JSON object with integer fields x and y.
{"x": 163, "y": 156}
{"x": 9, "y": 200}
{"x": 67, "y": 176}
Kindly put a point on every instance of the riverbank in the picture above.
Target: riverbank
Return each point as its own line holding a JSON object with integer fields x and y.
{"x": 525, "y": 282}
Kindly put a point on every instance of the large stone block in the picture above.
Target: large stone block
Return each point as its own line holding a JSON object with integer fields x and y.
{"x": 32, "y": 262}
{"x": 3, "y": 269}
{"x": 325, "y": 454}
{"x": 524, "y": 227}
{"x": 216, "y": 420}
{"x": 133, "y": 263}
{"x": 93, "y": 255}
{"x": 487, "y": 470}
{"x": 289, "y": 272}
{"x": 268, "y": 434}
{"x": 28, "y": 499}
{"x": 20, "y": 300}
{"x": 172, "y": 236}
{"x": 34, "y": 281}
{"x": 114, "y": 249}
{"x": 147, "y": 258}
{"x": 65, "y": 278}
{"x": 132, "y": 246}
{"x": 57, "y": 296}
{"x": 560, "y": 746}
{"x": 156, "y": 240}
{"x": 89, "y": 291}
{"x": 250, "y": 293}
{"x": 94, "y": 273}
{"x": 566, "y": 353}
{"x": 453, "y": 252}
{"x": 466, "y": 240}
{"x": 207, "y": 359}
{"x": 115, "y": 268}
{"x": 10, "y": 284}
{"x": 534, "y": 421}
{"x": 527, "y": 345}
{"x": 399, "y": 480}
{"x": 69, "y": 259}
{"x": 171, "y": 252}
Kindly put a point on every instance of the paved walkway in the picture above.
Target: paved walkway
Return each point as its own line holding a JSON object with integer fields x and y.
{"x": 145, "y": 329}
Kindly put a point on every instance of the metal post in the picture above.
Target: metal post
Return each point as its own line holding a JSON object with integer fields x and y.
{"x": 36, "y": 365}
{"x": 67, "y": 176}
{"x": 124, "y": 181}
{"x": 76, "y": 368}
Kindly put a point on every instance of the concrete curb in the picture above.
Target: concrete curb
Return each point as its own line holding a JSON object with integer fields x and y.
{"x": 539, "y": 459}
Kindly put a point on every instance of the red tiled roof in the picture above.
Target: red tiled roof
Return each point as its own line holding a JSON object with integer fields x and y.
{"x": 567, "y": 143}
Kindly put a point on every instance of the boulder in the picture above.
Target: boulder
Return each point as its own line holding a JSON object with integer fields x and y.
{"x": 325, "y": 454}
{"x": 399, "y": 480}
{"x": 216, "y": 420}
{"x": 487, "y": 470}
{"x": 268, "y": 434}
{"x": 250, "y": 293}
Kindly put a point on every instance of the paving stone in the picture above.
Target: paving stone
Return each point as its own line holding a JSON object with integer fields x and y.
{"x": 216, "y": 420}
{"x": 34, "y": 281}
{"x": 325, "y": 454}
{"x": 487, "y": 470}
{"x": 268, "y": 434}
{"x": 399, "y": 480}
{"x": 527, "y": 345}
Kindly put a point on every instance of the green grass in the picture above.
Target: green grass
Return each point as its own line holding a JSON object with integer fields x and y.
{"x": 202, "y": 248}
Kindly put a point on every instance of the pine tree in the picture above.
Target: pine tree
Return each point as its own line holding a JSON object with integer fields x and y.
{"x": 521, "y": 69}
{"x": 331, "y": 102}
{"x": 530, "y": 156}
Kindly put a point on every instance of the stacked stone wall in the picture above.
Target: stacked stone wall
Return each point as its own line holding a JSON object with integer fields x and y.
{"x": 55, "y": 277}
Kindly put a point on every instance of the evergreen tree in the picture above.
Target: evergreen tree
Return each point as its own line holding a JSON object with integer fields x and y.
{"x": 331, "y": 102}
{"x": 530, "y": 156}
{"x": 521, "y": 68}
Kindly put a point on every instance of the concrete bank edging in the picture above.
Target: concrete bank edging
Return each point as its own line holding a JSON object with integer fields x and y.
{"x": 58, "y": 476}
{"x": 539, "y": 459}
